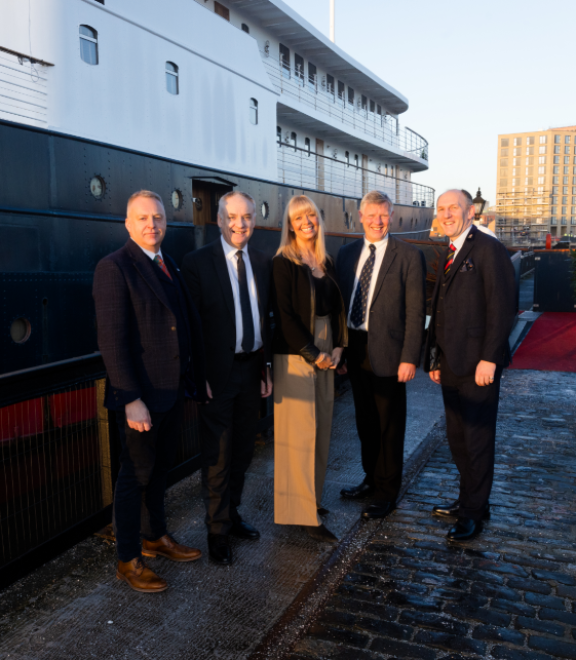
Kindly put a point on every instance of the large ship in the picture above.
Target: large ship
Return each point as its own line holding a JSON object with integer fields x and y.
{"x": 189, "y": 98}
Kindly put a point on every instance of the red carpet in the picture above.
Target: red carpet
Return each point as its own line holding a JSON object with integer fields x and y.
{"x": 550, "y": 344}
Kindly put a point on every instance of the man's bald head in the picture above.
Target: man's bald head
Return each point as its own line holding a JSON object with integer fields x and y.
{"x": 455, "y": 212}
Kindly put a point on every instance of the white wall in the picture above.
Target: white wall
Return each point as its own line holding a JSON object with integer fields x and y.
{"x": 123, "y": 100}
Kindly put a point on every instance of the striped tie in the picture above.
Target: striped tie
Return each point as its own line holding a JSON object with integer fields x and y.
{"x": 450, "y": 258}
{"x": 158, "y": 259}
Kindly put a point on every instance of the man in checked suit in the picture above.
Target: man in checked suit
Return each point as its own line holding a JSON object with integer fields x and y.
{"x": 473, "y": 308}
{"x": 150, "y": 337}
{"x": 230, "y": 284}
{"x": 382, "y": 280}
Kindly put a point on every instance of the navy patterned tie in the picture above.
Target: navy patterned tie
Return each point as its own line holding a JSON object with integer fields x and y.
{"x": 246, "y": 308}
{"x": 358, "y": 314}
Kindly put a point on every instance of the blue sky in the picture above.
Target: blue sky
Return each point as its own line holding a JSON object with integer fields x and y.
{"x": 470, "y": 71}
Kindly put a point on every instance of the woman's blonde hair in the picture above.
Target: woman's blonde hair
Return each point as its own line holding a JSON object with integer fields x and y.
{"x": 288, "y": 247}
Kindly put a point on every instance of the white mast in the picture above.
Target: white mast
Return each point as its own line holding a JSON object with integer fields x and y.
{"x": 333, "y": 21}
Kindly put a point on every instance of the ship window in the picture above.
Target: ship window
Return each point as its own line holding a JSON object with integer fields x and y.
{"x": 245, "y": 28}
{"x": 347, "y": 158}
{"x": 285, "y": 60}
{"x": 88, "y": 45}
{"x": 350, "y": 96}
{"x": 279, "y": 134}
{"x": 299, "y": 68}
{"x": 330, "y": 84}
{"x": 172, "y": 78}
{"x": 378, "y": 109}
{"x": 341, "y": 90}
{"x": 307, "y": 145}
{"x": 221, "y": 10}
{"x": 293, "y": 140}
{"x": 364, "y": 103}
{"x": 312, "y": 75}
{"x": 372, "y": 106}
{"x": 253, "y": 111}
{"x": 355, "y": 160}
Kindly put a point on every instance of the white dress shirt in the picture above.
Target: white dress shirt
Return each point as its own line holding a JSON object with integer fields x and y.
{"x": 379, "y": 258}
{"x": 459, "y": 242}
{"x": 151, "y": 254}
{"x": 232, "y": 263}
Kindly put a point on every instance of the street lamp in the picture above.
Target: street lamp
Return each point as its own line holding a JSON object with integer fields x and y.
{"x": 479, "y": 204}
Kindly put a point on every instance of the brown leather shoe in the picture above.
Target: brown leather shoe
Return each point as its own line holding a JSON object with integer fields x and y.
{"x": 167, "y": 547}
{"x": 140, "y": 577}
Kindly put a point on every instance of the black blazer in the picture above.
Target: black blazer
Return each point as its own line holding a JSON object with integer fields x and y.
{"x": 295, "y": 310}
{"x": 398, "y": 308}
{"x": 206, "y": 274}
{"x": 479, "y": 306}
{"x": 137, "y": 335}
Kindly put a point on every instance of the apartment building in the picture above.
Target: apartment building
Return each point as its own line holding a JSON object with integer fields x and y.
{"x": 536, "y": 185}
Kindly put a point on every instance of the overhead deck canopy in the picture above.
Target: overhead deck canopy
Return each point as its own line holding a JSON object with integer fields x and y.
{"x": 290, "y": 28}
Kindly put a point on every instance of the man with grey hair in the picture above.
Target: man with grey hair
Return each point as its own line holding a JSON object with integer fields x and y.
{"x": 150, "y": 337}
{"x": 382, "y": 280}
{"x": 473, "y": 308}
{"x": 230, "y": 284}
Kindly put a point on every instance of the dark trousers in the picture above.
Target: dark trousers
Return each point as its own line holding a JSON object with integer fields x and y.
{"x": 228, "y": 424}
{"x": 471, "y": 413}
{"x": 380, "y": 404}
{"x": 145, "y": 459}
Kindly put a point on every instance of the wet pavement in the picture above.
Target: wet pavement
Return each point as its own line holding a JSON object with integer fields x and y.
{"x": 75, "y": 608}
{"x": 510, "y": 594}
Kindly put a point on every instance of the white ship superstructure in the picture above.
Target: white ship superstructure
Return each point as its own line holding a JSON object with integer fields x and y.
{"x": 244, "y": 86}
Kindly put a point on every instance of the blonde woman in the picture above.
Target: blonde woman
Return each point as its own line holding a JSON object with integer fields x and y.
{"x": 309, "y": 338}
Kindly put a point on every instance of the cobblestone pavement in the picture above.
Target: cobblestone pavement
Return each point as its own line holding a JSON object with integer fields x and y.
{"x": 75, "y": 608}
{"x": 511, "y": 593}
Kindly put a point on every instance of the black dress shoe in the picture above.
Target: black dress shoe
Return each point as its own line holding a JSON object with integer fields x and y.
{"x": 357, "y": 492}
{"x": 465, "y": 529}
{"x": 378, "y": 510}
{"x": 219, "y": 549}
{"x": 243, "y": 530}
{"x": 451, "y": 510}
{"x": 321, "y": 534}
{"x": 322, "y": 511}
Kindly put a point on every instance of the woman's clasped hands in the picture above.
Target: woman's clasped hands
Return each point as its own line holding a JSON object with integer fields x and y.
{"x": 329, "y": 361}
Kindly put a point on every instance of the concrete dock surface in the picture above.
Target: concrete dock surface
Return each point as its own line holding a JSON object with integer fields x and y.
{"x": 74, "y": 607}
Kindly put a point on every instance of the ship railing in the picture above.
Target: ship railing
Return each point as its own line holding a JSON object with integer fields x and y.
{"x": 305, "y": 169}
{"x": 59, "y": 451}
{"x": 317, "y": 95}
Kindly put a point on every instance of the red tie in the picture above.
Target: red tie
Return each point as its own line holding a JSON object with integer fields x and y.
{"x": 450, "y": 258}
{"x": 158, "y": 259}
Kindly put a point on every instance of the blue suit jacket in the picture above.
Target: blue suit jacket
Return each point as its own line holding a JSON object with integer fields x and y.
{"x": 137, "y": 333}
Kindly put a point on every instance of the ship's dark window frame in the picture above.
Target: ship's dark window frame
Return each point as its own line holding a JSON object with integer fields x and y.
{"x": 347, "y": 158}
{"x": 342, "y": 91}
{"x": 253, "y": 111}
{"x": 299, "y": 68}
{"x": 284, "y": 60}
{"x": 245, "y": 28}
{"x": 279, "y": 134}
{"x": 364, "y": 103}
{"x": 307, "y": 146}
{"x": 221, "y": 10}
{"x": 172, "y": 78}
{"x": 330, "y": 84}
{"x": 88, "y": 45}
{"x": 294, "y": 140}
{"x": 351, "y": 96}
{"x": 312, "y": 76}
{"x": 356, "y": 161}
{"x": 372, "y": 106}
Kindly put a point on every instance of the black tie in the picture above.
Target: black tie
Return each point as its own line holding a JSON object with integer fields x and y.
{"x": 358, "y": 314}
{"x": 247, "y": 320}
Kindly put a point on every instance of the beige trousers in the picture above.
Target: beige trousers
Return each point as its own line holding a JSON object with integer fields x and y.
{"x": 303, "y": 406}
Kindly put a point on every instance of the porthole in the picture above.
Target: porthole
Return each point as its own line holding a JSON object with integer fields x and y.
{"x": 20, "y": 330}
{"x": 265, "y": 210}
{"x": 97, "y": 187}
{"x": 177, "y": 199}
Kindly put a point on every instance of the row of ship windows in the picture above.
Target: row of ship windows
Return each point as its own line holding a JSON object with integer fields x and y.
{"x": 291, "y": 138}
{"x": 517, "y": 151}
{"x": 505, "y": 142}
{"x": 331, "y": 86}
{"x": 89, "y": 54}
